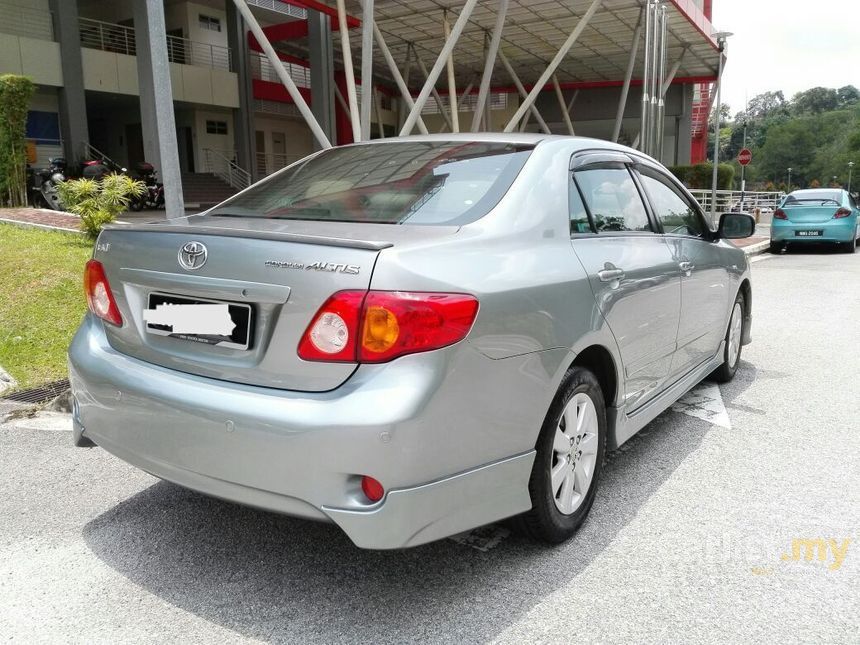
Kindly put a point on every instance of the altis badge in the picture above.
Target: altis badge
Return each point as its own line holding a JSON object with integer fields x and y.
{"x": 331, "y": 267}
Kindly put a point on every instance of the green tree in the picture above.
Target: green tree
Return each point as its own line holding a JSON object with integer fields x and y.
{"x": 15, "y": 94}
{"x": 98, "y": 202}
{"x": 815, "y": 101}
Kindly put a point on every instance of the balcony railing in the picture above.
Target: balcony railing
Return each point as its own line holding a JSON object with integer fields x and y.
{"x": 263, "y": 70}
{"x": 120, "y": 39}
{"x": 26, "y": 21}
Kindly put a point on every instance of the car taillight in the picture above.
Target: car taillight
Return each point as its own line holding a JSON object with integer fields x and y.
{"x": 779, "y": 214}
{"x": 100, "y": 299}
{"x": 378, "y": 326}
{"x": 842, "y": 212}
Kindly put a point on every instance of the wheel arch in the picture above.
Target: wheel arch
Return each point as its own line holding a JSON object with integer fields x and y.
{"x": 598, "y": 360}
{"x": 746, "y": 290}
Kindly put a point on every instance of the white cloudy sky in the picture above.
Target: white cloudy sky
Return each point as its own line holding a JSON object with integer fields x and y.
{"x": 788, "y": 45}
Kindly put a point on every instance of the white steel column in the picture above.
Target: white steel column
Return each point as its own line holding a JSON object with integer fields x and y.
{"x": 562, "y": 106}
{"x": 646, "y": 68}
{"x": 628, "y": 76}
{"x": 661, "y": 104}
{"x": 348, "y": 71}
{"x": 288, "y": 83}
{"x": 367, "y": 26}
{"x": 489, "y": 63}
{"x": 523, "y": 94}
{"x": 452, "y": 84}
{"x": 443, "y": 110}
{"x": 673, "y": 72}
{"x": 395, "y": 72}
{"x": 461, "y": 100}
{"x": 378, "y": 108}
{"x": 437, "y": 66}
{"x": 550, "y": 70}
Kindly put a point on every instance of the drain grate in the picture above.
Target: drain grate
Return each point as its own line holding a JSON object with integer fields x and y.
{"x": 40, "y": 394}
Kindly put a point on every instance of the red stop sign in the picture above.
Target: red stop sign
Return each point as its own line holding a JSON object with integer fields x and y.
{"x": 745, "y": 156}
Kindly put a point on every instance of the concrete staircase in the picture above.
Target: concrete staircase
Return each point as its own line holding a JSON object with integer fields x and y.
{"x": 201, "y": 190}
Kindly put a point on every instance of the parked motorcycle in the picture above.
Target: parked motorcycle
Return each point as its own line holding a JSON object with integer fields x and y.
{"x": 153, "y": 196}
{"x": 43, "y": 184}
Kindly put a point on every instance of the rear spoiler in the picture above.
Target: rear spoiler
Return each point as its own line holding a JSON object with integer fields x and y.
{"x": 325, "y": 240}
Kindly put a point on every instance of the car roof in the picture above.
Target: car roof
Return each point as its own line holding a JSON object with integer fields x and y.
{"x": 516, "y": 138}
{"x": 814, "y": 191}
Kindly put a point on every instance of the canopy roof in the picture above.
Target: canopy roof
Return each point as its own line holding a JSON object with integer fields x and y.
{"x": 533, "y": 33}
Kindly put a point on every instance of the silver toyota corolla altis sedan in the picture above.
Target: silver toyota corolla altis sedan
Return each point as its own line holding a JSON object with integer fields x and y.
{"x": 411, "y": 337}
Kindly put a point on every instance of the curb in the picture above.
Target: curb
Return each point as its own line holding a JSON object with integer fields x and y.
{"x": 757, "y": 248}
{"x": 47, "y": 227}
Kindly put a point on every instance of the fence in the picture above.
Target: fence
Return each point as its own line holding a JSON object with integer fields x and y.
{"x": 120, "y": 39}
{"x": 728, "y": 200}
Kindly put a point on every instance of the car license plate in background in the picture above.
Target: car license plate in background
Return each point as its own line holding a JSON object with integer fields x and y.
{"x": 240, "y": 314}
{"x": 808, "y": 233}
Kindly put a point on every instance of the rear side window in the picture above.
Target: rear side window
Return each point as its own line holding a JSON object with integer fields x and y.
{"x": 677, "y": 216}
{"x": 578, "y": 215}
{"x": 613, "y": 200}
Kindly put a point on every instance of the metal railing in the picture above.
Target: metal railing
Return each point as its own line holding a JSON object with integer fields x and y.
{"x": 222, "y": 166}
{"x": 26, "y": 21}
{"x": 728, "y": 200}
{"x": 120, "y": 39}
{"x": 262, "y": 69}
{"x": 269, "y": 162}
{"x": 89, "y": 152}
{"x": 280, "y": 7}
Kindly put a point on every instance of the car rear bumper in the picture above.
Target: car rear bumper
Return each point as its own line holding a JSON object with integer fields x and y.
{"x": 831, "y": 231}
{"x": 300, "y": 453}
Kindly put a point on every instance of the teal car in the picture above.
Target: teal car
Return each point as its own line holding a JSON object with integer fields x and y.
{"x": 816, "y": 215}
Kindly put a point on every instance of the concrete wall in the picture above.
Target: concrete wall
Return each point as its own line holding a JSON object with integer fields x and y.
{"x": 110, "y": 72}
{"x": 39, "y": 59}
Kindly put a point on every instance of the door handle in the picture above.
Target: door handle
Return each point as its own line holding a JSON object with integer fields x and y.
{"x": 609, "y": 275}
{"x": 686, "y": 267}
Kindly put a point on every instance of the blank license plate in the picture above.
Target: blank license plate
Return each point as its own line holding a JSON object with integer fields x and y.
{"x": 808, "y": 233}
{"x": 239, "y": 337}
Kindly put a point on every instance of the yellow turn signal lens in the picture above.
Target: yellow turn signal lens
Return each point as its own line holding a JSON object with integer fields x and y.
{"x": 380, "y": 329}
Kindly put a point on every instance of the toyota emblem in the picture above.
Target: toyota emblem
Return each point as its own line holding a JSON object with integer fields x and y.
{"x": 193, "y": 255}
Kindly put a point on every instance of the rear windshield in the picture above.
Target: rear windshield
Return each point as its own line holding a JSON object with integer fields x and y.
{"x": 441, "y": 183}
{"x": 813, "y": 198}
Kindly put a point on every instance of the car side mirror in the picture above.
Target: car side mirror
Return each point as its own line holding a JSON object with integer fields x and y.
{"x": 735, "y": 226}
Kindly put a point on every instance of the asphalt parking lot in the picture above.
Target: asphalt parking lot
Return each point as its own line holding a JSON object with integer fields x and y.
{"x": 696, "y": 535}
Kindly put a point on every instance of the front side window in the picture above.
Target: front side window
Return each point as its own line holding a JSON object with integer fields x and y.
{"x": 613, "y": 200}
{"x": 677, "y": 216}
{"x": 431, "y": 183}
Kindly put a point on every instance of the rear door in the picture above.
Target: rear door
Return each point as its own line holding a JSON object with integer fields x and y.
{"x": 631, "y": 271}
{"x": 704, "y": 277}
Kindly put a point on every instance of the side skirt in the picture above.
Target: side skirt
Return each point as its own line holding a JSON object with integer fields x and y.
{"x": 626, "y": 425}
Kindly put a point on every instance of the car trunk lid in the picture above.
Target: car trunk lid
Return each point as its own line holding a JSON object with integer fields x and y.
{"x": 811, "y": 214}
{"x": 280, "y": 273}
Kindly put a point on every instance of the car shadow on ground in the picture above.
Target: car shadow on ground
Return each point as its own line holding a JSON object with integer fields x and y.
{"x": 276, "y": 578}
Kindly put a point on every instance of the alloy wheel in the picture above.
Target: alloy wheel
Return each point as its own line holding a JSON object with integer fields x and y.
{"x": 574, "y": 453}
{"x": 735, "y": 328}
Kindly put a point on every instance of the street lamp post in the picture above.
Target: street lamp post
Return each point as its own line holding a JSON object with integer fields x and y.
{"x": 788, "y": 188}
{"x": 850, "y": 168}
{"x": 721, "y": 41}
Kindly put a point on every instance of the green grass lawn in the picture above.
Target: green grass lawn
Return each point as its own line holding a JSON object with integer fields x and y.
{"x": 41, "y": 300}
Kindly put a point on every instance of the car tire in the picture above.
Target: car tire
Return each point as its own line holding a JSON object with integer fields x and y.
{"x": 776, "y": 247}
{"x": 849, "y": 247}
{"x": 559, "y": 509}
{"x": 733, "y": 343}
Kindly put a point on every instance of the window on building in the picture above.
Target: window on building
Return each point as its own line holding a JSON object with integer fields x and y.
{"x": 210, "y": 23}
{"x": 216, "y": 127}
